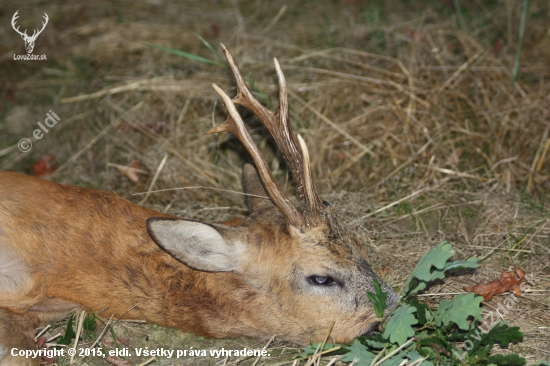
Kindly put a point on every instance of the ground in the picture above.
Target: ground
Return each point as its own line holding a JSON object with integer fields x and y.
{"x": 416, "y": 129}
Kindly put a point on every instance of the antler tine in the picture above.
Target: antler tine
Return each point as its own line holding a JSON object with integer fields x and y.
{"x": 244, "y": 95}
{"x": 278, "y": 124}
{"x": 235, "y": 125}
{"x": 301, "y": 168}
{"x": 37, "y": 32}
{"x": 309, "y": 189}
{"x": 46, "y": 18}
{"x": 13, "y": 22}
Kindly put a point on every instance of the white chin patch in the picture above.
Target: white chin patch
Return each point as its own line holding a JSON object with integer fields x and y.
{"x": 14, "y": 272}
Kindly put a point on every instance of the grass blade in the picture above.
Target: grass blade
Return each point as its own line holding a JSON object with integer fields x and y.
{"x": 459, "y": 15}
{"x": 524, "y": 12}
{"x": 186, "y": 55}
{"x": 210, "y": 47}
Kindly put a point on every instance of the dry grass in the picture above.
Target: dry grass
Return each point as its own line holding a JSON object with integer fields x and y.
{"x": 416, "y": 132}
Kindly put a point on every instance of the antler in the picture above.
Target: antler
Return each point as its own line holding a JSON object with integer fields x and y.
{"x": 13, "y": 19}
{"x": 278, "y": 125}
{"x": 235, "y": 125}
{"x": 35, "y": 33}
{"x": 43, "y": 26}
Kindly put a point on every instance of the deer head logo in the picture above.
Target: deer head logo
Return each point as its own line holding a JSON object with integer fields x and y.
{"x": 29, "y": 40}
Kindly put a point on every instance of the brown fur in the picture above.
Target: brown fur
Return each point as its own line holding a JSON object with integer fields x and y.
{"x": 88, "y": 248}
{"x": 16, "y": 331}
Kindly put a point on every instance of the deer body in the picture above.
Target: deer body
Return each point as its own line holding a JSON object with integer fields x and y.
{"x": 285, "y": 270}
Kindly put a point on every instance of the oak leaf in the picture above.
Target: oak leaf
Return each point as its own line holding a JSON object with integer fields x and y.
{"x": 508, "y": 281}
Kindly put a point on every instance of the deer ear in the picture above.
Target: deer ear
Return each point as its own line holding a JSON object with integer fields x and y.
{"x": 197, "y": 245}
{"x": 254, "y": 186}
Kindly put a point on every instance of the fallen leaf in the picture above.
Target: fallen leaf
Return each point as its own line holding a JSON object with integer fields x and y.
{"x": 44, "y": 166}
{"x": 508, "y": 281}
{"x": 131, "y": 171}
{"x": 41, "y": 343}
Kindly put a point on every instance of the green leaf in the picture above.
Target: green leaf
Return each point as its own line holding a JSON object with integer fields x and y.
{"x": 399, "y": 328}
{"x": 414, "y": 355}
{"x": 395, "y": 360}
{"x": 458, "y": 310}
{"x": 378, "y": 298}
{"x": 432, "y": 340}
{"x": 503, "y": 334}
{"x": 358, "y": 352}
{"x": 427, "y": 352}
{"x": 432, "y": 266}
{"x": 69, "y": 332}
{"x": 186, "y": 55}
{"x": 422, "y": 311}
{"x": 422, "y": 335}
{"x": 508, "y": 360}
{"x": 469, "y": 263}
{"x": 483, "y": 342}
{"x": 376, "y": 344}
{"x": 375, "y": 340}
{"x": 480, "y": 353}
{"x": 437, "y": 258}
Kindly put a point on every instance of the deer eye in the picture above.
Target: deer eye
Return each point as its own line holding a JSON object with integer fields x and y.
{"x": 320, "y": 281}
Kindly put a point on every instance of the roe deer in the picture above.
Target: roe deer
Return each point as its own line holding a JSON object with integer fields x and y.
{"x": 286, "y": 270}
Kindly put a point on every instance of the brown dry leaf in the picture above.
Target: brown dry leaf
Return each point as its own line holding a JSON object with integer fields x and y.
{"x": 131, "y": 171}
{"x": 113, "y": 360}
{"x": 41, "y": 343}
{"x": 44, "y": 166}
{"x": 508, "y": 281}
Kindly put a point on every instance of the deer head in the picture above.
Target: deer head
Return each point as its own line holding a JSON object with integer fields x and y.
{"x": 29, "y": 40}
{"x": 301, "y": 266}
